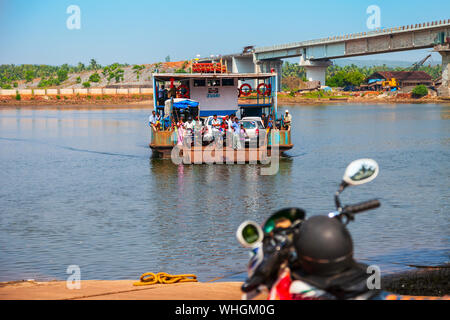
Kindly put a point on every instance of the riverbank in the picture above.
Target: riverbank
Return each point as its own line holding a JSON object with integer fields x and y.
{"x": 77, "y": 102}
{"x": 119, "y": 290}
{"x": 140, "y": 101}
{"x": 369, "y": 99}
{"x": 423, "y": 282}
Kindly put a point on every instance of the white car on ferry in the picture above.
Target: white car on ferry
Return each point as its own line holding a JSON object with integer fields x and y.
{"x": 252, "y": 125}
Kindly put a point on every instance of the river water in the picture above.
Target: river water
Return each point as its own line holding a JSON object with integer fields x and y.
{"x": 79, "y": 187}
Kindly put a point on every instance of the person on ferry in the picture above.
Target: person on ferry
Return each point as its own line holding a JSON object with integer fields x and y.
{"x": 228, "y": 123}
{"x": 189, "y": 130}
{"x": 158, "y": 121}
{"x": 215, "y": 124}
{"x": 242, "y": 135}
{"x": 270, "y": 123}
{"x": 226, "y": 128}
{"x": 162, "y": 95}
{"x": 189, "y": 124}
{"x": 236, "y": 134}
{"x": 224, "y": 125}
{"x": 198, "y": 125}
{"x": 180, "y": 131}
{"x": 198, "y": 130}
{"x": 172, "y": 93}
{"x": 264, "y": 120}
{"x": 154, "y": 120}
{"x": 287, "y": 120}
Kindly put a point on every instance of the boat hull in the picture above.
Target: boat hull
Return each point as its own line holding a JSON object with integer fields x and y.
{"x": 211, "y": 155}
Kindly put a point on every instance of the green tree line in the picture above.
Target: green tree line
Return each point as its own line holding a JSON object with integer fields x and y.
{"x": 50, "y": 75}
{"x": 341, "y": 76}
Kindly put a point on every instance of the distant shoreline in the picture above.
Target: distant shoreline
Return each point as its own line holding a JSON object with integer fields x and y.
{"x": 127, "y": 102}
{"x": 95, "y": 102}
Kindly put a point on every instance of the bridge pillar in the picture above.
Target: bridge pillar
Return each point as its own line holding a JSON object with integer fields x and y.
{"x": 444, "y": 89}
{"x": 243, "y": 64}
{"x": 265, "y": 66}
{"x": 315, "y": 69}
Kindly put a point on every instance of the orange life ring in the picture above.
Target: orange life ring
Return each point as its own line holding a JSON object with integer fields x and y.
{"x": 186, "y": 94}
{"x": 267, "y": 89}
{"x": 245, "y": 93}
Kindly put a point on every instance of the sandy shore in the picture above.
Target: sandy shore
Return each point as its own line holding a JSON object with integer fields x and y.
{"x": 422, "y": 282}
{"x": 119, "y": 290}
{"x": 146, "y": 102}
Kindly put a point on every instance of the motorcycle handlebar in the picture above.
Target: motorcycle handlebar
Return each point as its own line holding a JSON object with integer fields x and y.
{"x": 362, "y": 206}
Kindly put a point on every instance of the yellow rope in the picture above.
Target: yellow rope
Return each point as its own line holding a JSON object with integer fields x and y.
{"x": 164, "y": 278}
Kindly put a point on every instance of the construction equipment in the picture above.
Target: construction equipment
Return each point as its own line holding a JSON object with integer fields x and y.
{"x": 390, "y": 84}
{"x": 418, "y": 64}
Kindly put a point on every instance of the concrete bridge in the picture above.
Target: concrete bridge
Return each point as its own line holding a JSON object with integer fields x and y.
{"x": 315, "y": 55}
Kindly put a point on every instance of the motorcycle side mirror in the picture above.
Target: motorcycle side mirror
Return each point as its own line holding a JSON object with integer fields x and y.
{"x": 249, "y": 234}
{"x": 359, "y": 172}
{"x": 283, "y": 218}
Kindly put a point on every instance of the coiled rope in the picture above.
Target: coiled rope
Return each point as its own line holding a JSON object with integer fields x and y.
{"x": 164, "y": 278}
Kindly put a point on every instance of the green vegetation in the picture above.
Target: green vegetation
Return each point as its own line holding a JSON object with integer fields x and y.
{"x": 50, "y": 75}
{"x": 434, "y": 71}
{"x": 93, "y": 65}
{"x": 78, "y": 80}
{"x": 337, "y": 76}
{"x": 95, "y": 77}
{"x": 293, "y": 69}
{"x": 62, "y": 73}
{"x": 113, "y": 71}
{"x": 44, "y": 83}
{"x": 18, "y": 97}
{"x": 137, "y": 69}
{"x": 87, "y": 84}
{"x": 420, "y": 91}
{"x": 343, "y": 78}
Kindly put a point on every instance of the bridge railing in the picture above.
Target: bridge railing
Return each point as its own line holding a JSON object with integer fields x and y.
{"x": 412, "y": 27}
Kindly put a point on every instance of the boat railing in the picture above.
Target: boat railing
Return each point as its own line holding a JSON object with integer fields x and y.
{"x": 280, "y": 137}
{"x": 162, "y": 138}
{"x": 168, "y": 138}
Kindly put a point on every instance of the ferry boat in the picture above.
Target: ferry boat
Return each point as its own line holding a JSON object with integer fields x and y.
{"x": 210, "y": 90}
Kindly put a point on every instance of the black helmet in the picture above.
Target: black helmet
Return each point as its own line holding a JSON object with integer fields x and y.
{"x": 324, "y": 246}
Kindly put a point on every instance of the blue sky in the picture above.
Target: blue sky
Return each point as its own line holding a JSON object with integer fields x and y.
{"x": 135, "y": 31}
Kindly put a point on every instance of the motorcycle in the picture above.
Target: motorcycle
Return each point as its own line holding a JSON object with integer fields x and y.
{"x": 273, "y": 264}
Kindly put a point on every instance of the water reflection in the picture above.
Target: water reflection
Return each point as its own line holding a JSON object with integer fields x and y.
{"x": 80, "y": 187}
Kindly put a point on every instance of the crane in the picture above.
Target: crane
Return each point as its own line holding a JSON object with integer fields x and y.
{"x": 418, "y": 64}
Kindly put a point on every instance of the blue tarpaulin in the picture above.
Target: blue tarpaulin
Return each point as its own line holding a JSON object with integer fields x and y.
{"x": 374, "y": 80}
{"x": 184, "y": 103}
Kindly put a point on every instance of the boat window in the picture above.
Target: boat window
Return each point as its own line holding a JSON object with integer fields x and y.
{"x": 249, "y": 124}
{"x": 227, "y": 82}
{"x": 213, "y": 82}
{"x": 199, "y": 82}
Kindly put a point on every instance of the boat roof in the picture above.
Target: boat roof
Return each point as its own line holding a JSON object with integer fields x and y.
{"x": 184, "y": 76}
